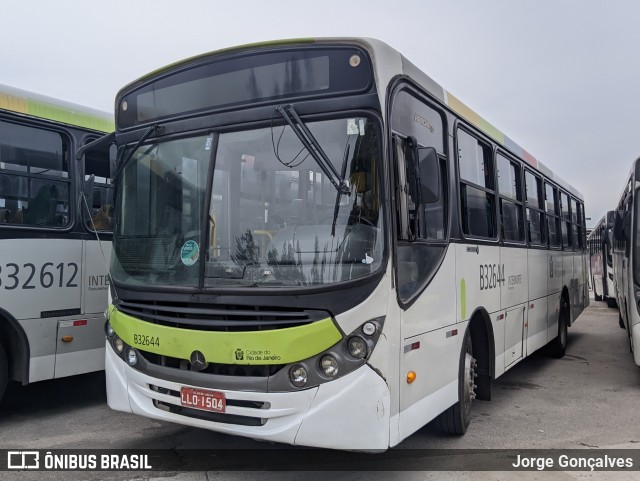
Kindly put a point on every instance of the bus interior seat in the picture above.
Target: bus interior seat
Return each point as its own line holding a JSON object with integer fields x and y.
{"x": 5, "y": 216}
{"x": 42, "y": 208}
{"x": 18, "y": 217}
{"x": 102, "y": 219}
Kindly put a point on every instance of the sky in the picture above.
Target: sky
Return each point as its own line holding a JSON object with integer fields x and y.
{"x": 560, "y": 77}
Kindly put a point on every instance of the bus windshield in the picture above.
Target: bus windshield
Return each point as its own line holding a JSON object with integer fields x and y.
{"x": 275, "y": 219}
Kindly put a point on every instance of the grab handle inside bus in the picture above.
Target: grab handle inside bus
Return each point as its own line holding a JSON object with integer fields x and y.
{"x": 423, "y": 172}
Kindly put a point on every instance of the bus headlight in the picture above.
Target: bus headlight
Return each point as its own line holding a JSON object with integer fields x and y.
{"x": 298, "y": 375}
{"x": 110, "y": 331}
{"x": 132, "y": 357}
{"x": 118, "y": 344}
{"x": 369, "y": 328}
{"x": 357, "y": 347}
{"x": 329, "y": 365}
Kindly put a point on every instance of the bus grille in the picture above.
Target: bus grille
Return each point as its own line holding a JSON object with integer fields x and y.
{"x": 216, "y": 317}
{"x": 211, "y": 416}
{"x": 238, "y": 370}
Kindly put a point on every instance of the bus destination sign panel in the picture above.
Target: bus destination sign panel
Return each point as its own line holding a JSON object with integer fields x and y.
{"x": 232, "y": 81}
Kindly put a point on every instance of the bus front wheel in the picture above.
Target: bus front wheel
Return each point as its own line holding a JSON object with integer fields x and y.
{"x": 455, "y": 420}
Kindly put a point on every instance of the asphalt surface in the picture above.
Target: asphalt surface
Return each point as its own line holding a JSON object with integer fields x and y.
{"x": 587, "y": 399}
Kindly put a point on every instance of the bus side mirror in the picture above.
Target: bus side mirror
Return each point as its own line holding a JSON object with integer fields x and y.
{"x": 429, "y": 171}
{"x": 611, "y": 217}
{"x": 423, "y": 173}
{"x": 621, "y": 226}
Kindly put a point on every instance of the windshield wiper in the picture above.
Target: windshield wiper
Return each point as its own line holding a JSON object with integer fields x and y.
{"x": 336, "y": 207}
{"x": 313, "y": 147}
{"x": 126, "y": 160}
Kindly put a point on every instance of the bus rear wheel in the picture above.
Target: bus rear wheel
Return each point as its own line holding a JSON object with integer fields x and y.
{"x": 611, "y": 302}
{"x": 558, "y": 346}
{"x": 455, "y": 420}
{"x": 621, "y": 321}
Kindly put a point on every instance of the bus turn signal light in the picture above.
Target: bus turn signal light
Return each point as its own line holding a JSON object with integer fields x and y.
{"x": 67, "y": 338}
{"x": 411, "y": 376}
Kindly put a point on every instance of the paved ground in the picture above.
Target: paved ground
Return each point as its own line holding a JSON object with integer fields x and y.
{"x": 589, "y": 398}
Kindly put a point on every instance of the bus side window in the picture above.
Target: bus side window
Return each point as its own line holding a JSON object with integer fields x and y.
{"x": 553, "y": 218}
{"x": 422, "y": 228}
{"x": 34, "y": 176}
{"x": 98, "y": 163}
{"x": 535, "y": 209}
{"x": 477, "y": 190}
{"x": 565, "y": 221}
{"x": 510, "y": 199}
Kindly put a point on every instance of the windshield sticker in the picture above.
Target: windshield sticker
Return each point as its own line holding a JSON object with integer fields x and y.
{"x": 208, "y": 143}
{"x": 367, "y": 259}
{"x": 189, "y": 253}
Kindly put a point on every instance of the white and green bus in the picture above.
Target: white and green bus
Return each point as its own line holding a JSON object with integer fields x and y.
{"x": 626, "y": 258}
{"x": 316, "y": 244}
{"x": 53, "y": 277}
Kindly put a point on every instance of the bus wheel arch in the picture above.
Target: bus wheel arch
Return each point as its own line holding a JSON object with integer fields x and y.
{"x": 16, "y": 348}
{"x": 482, "y": 340}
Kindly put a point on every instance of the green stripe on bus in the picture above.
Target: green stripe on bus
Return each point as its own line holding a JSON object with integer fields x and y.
{"x": 277, "y": 346}
{"x": 463, "y": 300}
{"x": 60, "y": 114}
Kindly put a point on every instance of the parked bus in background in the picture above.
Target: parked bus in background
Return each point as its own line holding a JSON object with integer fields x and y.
{"x": 316, "y": 244}
{"x": 626, "y": 259}
{"x": 53, "y": 278}
{"x": 601, "y": 262}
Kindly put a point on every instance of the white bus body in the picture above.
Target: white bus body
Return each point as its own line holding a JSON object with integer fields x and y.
{"x": 53, "y": 277}
{"x": 484, "y": 266}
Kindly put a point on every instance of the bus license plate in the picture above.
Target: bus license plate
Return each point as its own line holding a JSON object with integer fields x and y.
{"x": 203, "y": 399}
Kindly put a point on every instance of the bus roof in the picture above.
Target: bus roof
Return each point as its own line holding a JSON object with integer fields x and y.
{"x": 32, "y": 104}
{"x": 384, "y": 55}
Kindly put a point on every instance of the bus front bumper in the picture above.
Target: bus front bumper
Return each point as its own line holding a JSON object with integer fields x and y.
{"x": 351, "y": 412}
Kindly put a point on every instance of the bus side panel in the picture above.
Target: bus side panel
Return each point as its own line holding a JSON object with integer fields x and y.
{"x": 36, "y": 279}
{"x": 41, "y": 334}
{"x": 515, "y": 284}
{"x": 436, "y": 306}
{"x": 570, "y": 280}
{"x": 85, "y": 352}
{"x": 578, "y": 286}
{"x": 38, "y": 287}
{"x": 95, "y": 277}
{"x": 555, "y": 283}
{"x": 538, "y": 267}
{"x": 436, "y": 363}
{"x": 433, "y": 312}
{"x": 477, "y": 279}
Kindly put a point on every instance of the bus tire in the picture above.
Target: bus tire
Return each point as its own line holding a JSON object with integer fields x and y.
{"x": 596, "y": 297}
{"x": 455, "y": 420}
{"x": 4, "y": 371}
{"x": 621, "y": 321}
{"x": 611, "y": 302}
{"x": 558, "y": 346}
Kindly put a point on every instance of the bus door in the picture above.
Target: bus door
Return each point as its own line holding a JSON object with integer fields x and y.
{"x": 512, "y": 269}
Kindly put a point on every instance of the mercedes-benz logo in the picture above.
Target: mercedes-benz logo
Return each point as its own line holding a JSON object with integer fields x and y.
{"x": 198, "y": 362}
